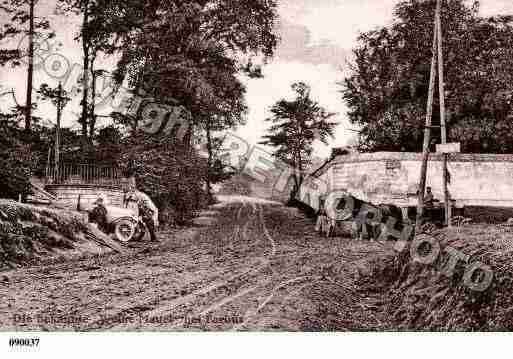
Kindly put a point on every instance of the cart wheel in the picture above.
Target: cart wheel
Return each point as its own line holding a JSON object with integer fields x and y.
{"x": 125, "y": 230}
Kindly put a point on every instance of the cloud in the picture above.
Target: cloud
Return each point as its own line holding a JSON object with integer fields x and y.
{"x": 338, "y": 21}
{"x": 293, "y": 9}
{"x": 296, "y": 45}
{"x": 494, "y": 7}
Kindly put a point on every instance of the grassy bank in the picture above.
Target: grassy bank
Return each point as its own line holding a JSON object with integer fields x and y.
{"x": 418, "y": 297}
{"x": 31, "y": 234}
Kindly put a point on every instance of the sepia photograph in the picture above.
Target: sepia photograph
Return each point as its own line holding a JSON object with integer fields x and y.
{"x": 270, "y": 167}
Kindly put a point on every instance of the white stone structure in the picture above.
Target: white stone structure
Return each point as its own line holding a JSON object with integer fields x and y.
{"x": 393, "y": 178}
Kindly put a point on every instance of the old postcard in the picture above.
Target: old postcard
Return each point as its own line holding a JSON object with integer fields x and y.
{"x": 255, "y": 166}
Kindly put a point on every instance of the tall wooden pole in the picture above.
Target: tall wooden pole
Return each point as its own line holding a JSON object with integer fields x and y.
{"x": 441, "y": 85}
{"x": 30, "y": 72}
{"x": 427, "y": 129}
{"x": 85, "y": 80}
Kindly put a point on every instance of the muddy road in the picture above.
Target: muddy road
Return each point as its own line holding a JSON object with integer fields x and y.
{"x": 260, "y": 266}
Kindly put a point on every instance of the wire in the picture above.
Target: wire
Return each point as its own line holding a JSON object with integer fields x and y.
{"x": 13, "y": 96}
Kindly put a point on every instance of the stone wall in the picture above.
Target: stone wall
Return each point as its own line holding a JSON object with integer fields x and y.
{"x": 390, "y": 177}
{"x": 67, "y": 195}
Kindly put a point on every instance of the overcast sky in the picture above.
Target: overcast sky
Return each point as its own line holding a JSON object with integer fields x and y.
{"x": 317, "y": 36}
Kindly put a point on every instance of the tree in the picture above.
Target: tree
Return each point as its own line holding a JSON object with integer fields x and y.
{"x": 19, "y": 12}
{"x": 295, "y": 126}
{"x": 387, "y": 90}
{"x": 17, "y": 162}
{"x": 171, "y": 174}
{"x": 109, "y": 145}
{"x": 93, "y": 37}
{"x": 218, "y": 168}
{"x": 192, "y": 53}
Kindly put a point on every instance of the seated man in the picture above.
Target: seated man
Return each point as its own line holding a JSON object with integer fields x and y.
{"x": 99, "y": 214}
{"x": 429, "y": 205}
{"x": 429, "y": 199}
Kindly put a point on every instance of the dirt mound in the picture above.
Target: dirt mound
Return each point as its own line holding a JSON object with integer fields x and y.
{"x": 32, "y": 234}
{"x": 420, "y": 297}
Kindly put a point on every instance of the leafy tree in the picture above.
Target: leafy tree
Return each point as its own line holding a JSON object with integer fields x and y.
{"x": 22, "y": 23}
{"x": 295, "y": 126}
{"x": 218, "y": 167}
{"x": 192, "y": 53}
{"x": 109, "y": 145}
{"x": 387, "y": 90}
{"x": 16, "y": 160}
{"x": 170, "y": 173}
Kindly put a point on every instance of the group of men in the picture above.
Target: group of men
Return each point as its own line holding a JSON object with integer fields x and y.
{"x": 139, "y": 202}
{"x": 324, "y": 225}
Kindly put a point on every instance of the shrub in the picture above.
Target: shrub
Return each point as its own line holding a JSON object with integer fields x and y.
{"x": 171, "y": 173}
{"x": 16, "y": 161}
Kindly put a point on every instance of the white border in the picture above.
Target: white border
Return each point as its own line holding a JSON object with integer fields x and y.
{"x": 260, "y": 345}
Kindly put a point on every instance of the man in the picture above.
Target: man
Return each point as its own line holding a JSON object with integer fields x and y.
{"x": 322, "y": 219}
{"x": 429, "y": 199}
{"x": 99, "y": 214}
{"x": 147, "y": 210}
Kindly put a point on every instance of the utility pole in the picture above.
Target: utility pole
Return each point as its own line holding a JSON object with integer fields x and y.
{"x": 427, "y": 128}
{"x": 443, "y": 126}
{"x": 59, "y": 99}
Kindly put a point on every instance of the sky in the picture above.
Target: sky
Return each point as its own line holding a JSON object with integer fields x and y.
{"x": 316, "y": 41}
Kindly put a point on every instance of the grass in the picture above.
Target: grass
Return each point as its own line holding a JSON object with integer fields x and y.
{"x": 419, "y": 297}
{"x": 30, "y": 234}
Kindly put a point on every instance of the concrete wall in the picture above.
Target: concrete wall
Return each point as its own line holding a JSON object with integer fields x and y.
{"x": 389, "y": 177}
{"x": 68, "y": 195}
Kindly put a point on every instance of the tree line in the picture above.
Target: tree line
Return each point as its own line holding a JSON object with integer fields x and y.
{"x": 192, "y": 53}
{"x": 386, "y": 91}
{"x": 186, "y": 52}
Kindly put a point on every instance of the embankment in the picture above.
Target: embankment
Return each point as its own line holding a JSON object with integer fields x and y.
{"x": 418, "y": 296}
{"x": 34, "y": 234}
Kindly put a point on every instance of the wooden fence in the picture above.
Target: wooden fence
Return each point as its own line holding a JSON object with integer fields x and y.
{"x": 85, "y": 174}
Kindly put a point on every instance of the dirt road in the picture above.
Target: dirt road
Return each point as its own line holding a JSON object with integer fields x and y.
{"x": 259, "y": 267}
